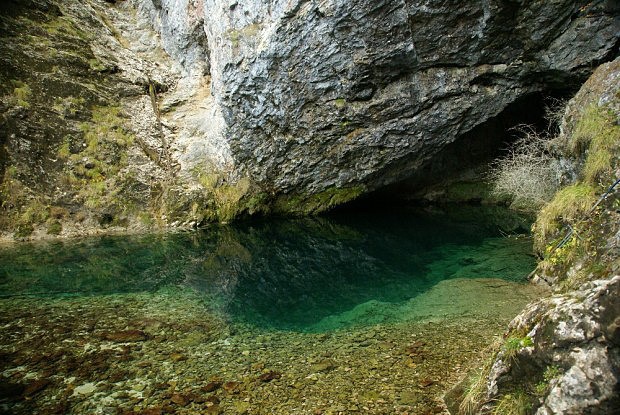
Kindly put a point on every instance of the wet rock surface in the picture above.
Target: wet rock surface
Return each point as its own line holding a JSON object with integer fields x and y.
{"x": 58, "y": 356}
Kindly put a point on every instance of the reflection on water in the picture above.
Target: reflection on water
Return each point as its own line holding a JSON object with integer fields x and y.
{"x": 285, "y": 274}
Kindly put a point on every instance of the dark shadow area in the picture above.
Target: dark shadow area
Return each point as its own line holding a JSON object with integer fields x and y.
{"x": 469, "y": 155}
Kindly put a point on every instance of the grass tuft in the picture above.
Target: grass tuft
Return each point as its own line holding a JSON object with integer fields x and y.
{"x": 568, "y": 206}
{"x": 598, "y": 136}
{"x": 513, "y": 345}
{"x": 476, "y": 389}
{"x": 516, "y": 403}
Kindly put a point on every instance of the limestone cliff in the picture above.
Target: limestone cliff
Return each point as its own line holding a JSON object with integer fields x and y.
{"x": 139, "y": 114}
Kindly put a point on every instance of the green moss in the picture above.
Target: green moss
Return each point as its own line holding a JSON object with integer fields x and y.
{"x": 256, "y": 203}
{"x": 235, "y": 35}
{"x": 64, "y": 151}
{"x": 24, "y": 230}
{"x": 96, "y": 65}
{"x": 514, "y": 344}
{"x": 146, "y": 218}
{"x": 228, "y": 197}
{"x": 68, "y": 106}
{"x": 96, "y": 173}
{"x": 63, "y": 26}
{"x": 54, "y": 227}
{"x": 21, "y": 94}
{"x": 16, "y": 201}
{"x": 340, "y": 103}
{"x": 597, "y": 132}
{"x": 551, "y": 372}
{"x": 300, "y": 204}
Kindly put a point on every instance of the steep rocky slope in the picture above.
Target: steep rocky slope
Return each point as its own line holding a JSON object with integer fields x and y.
{"x": 138, "y": 114}
{"x": 561, "y": 355}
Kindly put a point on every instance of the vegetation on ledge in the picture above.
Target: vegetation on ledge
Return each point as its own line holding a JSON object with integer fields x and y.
{"x": 300, "y": 204}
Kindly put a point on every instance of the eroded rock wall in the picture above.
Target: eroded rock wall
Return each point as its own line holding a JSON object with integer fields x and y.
{"x": 223, "y": 108}
{"x": 348, "y": 93}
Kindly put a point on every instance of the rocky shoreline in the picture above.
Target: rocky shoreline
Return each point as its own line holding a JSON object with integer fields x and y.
{"x": 167, "y": 353}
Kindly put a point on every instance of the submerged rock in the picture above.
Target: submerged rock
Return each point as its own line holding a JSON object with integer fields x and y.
{"x": 212, "y": 386}
{"x": 126, "y": 336}
{"x": 269, "y": 376}
{"x": 323, "y": 366}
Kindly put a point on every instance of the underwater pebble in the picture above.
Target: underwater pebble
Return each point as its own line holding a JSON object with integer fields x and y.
{"x": 126, "y": 336}
{"x": 269, "y": 376}
{"x": 323, "y": 366}
{"x": 211, "y": 386}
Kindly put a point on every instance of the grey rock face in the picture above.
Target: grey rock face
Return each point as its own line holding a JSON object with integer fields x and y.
{"x": 575, "y": 334}
{"x": 342, "y": 93}
{"x": 293, "y": 105}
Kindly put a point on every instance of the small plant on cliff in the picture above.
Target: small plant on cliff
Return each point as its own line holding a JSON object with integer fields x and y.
{"x": 513, "y": 345}
{"x": 516, "y": 403}
{"x": 551, "y": 372}
{"x": 596, "y": 135}
{"x": 528, "y": 174}
{"x": 21, "y": 94}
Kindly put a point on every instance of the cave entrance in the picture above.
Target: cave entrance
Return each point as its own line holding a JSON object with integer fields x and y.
{"x": 468, "y": 157}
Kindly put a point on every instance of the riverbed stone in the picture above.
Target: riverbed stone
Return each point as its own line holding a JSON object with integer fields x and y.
{"x": 85, "y": 389}
{"x": 126, "y": 336}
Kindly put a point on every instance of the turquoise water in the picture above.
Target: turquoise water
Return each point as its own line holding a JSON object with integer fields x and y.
{"x": 289, "y": 274}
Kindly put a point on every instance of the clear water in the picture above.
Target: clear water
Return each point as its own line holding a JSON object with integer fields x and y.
{"x": 290, "y": 274}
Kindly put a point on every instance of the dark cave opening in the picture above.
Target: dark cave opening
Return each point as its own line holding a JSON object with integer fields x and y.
{"x": 468, "y": 157}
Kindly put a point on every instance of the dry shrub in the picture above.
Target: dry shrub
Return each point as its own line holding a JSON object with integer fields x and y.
{"x": 528, "y": 174}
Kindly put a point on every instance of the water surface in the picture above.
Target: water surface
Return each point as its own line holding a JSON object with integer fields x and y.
{"x": 308, "y": 274}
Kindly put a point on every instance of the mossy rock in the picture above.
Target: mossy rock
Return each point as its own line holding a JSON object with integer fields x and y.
{"x": 54, "y": 227}
{"x": 309, "y": 204}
